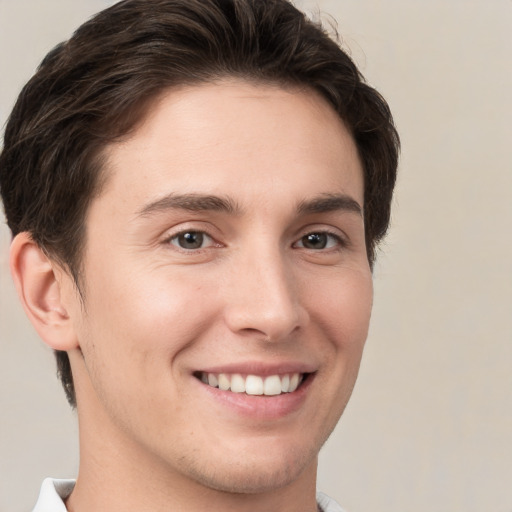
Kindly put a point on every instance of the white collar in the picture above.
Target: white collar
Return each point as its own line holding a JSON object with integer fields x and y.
{"x": 52, "y": 495}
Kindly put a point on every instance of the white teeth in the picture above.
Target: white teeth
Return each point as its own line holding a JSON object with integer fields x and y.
{"x": 253, "y": 384}
{"x": 294, "y": 382}
{"x": 272, "y": 385}
{"x": 224, "y": 382}
{"x": 237, "y": 383}
{"x": 212, "y": 380}
{"x": 285, "y": 384}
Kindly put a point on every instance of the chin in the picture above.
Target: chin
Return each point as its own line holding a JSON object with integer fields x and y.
{"x": 256, "y": 476}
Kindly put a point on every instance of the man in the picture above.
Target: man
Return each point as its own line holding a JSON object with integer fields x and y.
{"x": 196, "y": 189}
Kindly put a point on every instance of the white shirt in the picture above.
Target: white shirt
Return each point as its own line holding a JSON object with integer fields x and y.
{"x": 54, "y": 491}
{"x": 52, "y": 494}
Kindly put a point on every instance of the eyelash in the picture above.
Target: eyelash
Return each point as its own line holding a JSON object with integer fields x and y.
{"x": 340, "y": 242}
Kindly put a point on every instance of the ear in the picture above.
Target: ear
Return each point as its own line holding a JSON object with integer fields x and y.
{"x": 39, "y": 284}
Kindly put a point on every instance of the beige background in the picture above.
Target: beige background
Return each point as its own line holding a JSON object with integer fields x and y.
{"x": 429, "y": 427}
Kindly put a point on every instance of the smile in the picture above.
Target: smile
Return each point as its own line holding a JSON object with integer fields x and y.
{"x": 271, "y": 385}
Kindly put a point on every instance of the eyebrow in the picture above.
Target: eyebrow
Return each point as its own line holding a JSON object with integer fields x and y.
{"x": 330, "y": 203}
{"x": 192, "y": 203}
{"x": 202, "y": 203}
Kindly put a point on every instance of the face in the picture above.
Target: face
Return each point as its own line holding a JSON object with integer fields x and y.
{"x": 227, "y": 289}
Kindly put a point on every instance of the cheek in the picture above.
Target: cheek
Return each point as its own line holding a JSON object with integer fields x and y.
{"x": 342, "y": 307}
{"x": 340, "y": 315}
{"x": 146, "y": 319}
{"x": 131, "y": 335}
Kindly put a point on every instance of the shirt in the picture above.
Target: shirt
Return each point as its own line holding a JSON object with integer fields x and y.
{"x": 54, "y": 492}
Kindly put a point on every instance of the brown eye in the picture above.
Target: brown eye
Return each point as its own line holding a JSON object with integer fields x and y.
{"x": 319, "y": 240}
{"x": 314, "y": 241}
{"x": 191, "y": 240}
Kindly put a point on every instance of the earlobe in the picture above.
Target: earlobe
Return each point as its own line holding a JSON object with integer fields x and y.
{"x": 39, "y": 285}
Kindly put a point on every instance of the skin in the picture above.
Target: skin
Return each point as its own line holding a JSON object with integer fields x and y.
{"x": 255, "y": 295}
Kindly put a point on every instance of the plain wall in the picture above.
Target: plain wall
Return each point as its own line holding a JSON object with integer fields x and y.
{"x": 429, "y": 427}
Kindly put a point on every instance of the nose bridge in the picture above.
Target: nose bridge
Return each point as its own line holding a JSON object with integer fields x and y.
{"x": 264, "y": 297}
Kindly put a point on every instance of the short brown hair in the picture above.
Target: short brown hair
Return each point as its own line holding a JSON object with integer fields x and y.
{"x": 94, "y": 88}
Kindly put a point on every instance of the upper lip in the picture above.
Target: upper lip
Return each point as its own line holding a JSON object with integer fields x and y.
{"x": 260, "y": 368}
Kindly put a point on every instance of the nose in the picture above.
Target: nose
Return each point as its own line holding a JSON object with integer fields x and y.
{"x": 263, "y": 297}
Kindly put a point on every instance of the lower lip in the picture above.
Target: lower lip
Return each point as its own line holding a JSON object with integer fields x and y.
{"x": 261, "y": 406}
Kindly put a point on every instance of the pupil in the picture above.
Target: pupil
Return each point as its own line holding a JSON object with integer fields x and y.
{"x": 315, "y": 241}
{"x": 191, "y": 240}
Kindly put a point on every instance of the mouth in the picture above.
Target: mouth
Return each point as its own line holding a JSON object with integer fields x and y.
{"x": 255, "y": 385}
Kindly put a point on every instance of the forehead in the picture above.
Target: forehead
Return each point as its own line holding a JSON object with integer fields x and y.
{"x": 234, "y": 138}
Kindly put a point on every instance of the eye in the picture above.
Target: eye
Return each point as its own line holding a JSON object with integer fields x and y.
{"x": 319, "y": 240}
{"x": 191, "y": 240}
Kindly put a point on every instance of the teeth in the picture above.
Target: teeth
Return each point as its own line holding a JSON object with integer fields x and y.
{"x": 237, "y": 383}
{"x": 294, "y": 382}
{"x": 285, "y": 384}
{"x": 272, "y": 385}
{"x": 224, "y": 382}
{"x": 253, "y": 384}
